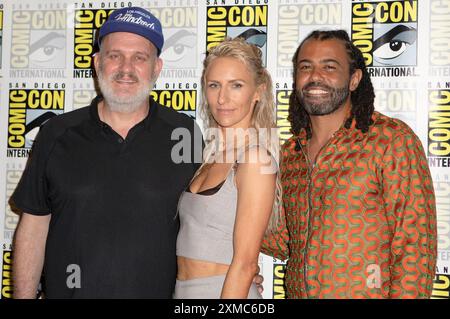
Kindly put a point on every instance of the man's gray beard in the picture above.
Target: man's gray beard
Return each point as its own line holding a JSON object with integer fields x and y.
{"x": 123, "y": 104}
{"x": 337, "y": 98}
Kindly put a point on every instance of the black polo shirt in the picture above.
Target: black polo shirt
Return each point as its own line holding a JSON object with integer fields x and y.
{"x": 113, "y": 203}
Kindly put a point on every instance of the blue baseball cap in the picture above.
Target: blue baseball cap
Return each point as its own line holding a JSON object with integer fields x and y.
{"x": 134, "y": 20}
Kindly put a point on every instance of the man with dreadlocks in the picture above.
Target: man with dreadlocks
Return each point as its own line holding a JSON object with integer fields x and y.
{"x": 357, "y": 191}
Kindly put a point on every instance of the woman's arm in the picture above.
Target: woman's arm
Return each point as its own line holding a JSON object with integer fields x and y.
{"x": 256, "y": 193}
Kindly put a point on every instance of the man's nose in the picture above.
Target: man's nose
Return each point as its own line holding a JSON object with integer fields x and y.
{"x": 316, "y": 75}
{"x": 126, "y": 65}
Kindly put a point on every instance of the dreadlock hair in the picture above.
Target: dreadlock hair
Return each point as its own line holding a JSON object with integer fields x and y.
{"x": 362, "y": 97}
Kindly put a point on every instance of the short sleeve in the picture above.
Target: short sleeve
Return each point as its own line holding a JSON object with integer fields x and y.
{"x": 31, "y": 194}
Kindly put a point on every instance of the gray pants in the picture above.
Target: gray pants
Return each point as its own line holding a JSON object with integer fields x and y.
{"x": 206, "y": 288}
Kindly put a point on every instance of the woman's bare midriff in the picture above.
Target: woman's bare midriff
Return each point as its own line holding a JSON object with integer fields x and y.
{"x": 191, "y": 268}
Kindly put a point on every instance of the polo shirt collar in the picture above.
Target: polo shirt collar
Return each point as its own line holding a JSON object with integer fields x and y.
{"x": 151, "y": 116}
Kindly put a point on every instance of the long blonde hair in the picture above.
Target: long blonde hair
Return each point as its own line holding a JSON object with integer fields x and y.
{"x": 264, "y": 112}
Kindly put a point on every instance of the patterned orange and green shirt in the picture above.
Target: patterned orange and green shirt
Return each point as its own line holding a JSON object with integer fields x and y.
{"x": 362, "y": 222}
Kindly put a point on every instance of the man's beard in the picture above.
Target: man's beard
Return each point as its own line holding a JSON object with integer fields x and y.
{"x": 126, "y": 103}
{"x": 337, "y": 97}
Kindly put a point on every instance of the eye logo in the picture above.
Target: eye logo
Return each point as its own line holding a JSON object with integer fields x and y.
{"x": 254, "y": 36}
{"x": 395, "y": 46}
{"x": 32, "y": 128}
{"x": 48, "y": 51}
{"x": 179, "y": 50}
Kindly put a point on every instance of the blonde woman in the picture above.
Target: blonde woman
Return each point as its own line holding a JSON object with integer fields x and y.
{"x": 233, "y": 198}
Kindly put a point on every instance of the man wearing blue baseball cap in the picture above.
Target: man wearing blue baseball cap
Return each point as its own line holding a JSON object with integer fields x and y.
{"x": 99, "y": 194}
{"x": 134, "y": 20}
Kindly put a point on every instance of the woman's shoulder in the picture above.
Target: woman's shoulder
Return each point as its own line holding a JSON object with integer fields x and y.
{"x": 259, "y": 156}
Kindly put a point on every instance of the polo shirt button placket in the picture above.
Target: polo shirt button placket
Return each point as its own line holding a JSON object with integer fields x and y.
{"x": 123, "y": 145}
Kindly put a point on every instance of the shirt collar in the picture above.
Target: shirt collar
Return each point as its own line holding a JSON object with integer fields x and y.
{"x": 152, "y": 113}
{"x": 342, "y": 131}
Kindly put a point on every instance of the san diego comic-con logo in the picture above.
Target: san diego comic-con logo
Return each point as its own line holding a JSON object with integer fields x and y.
{"x": 439, "y": 38}
{"x": 386, "y": 34}
{"x": 13, "y": 174}
{"x": 439, "y": 127}
{"x": 282, "y": 95}
{"x": 83, "y": 93}
{"x": 295, "y": 21}
{"x": 86, "y": 24}
{"x": 278, "y": 281}
{"x": 442, "y": 193}
{"x": 180, "y": 39}
{"x": 183, "y": 101}
{"x": 398, "y": 101}
{"x": 248, "y": 22}
{"x": 441, "y": 287}
{"x": 28, "y": 109}
{"x": 7, "y": 286}
{"x": 180, "y": 32}
{"x": 38, "y": 41}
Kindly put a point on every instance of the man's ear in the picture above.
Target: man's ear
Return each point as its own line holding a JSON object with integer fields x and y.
{"x": 355, "y": 79}
{"x": 96, "y": 62}
{"x": 158, "y": 67}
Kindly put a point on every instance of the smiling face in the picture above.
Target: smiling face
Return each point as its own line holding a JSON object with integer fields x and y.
{"x": 127, "y": 67}
{"x": 323, "y": 80}
{"x": 231, "y": 92}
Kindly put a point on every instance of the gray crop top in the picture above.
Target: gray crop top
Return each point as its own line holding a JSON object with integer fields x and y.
{"x": 207, "y": 223}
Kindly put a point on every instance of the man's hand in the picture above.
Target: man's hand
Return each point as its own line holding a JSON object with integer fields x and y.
{"x": 258, "y": 281}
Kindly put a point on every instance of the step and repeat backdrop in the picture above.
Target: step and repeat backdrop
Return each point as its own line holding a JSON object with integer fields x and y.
{"x": 46, "y": 52}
